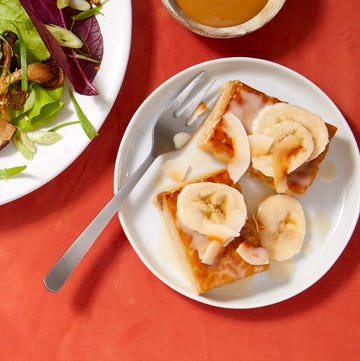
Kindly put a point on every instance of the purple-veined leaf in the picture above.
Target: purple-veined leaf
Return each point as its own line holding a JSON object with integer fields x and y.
{"x": 80, "y": 72}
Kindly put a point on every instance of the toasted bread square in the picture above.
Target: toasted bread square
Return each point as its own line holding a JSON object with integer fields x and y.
{"x": 246, "y": 103}
{"x": 230, "y": 266}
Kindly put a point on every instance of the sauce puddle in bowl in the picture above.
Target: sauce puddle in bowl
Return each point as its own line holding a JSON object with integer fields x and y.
{"x": 219, "y": 13}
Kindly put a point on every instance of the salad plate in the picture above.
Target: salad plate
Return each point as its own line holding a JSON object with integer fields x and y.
{"x": 50, "y": 160}
{"x": 331, "y": 205}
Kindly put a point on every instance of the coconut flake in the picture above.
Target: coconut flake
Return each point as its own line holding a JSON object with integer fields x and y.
{"x": 240, "y": 162}
{"x": 253, "y": 255}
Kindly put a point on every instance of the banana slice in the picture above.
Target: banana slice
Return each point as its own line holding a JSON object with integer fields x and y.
{"x": 273, "y": 114}
{"x": 281, "y": 224}
{"x": 204, "y": 203}
{"x": 299, "y": 146}
{"x": 259, "y": 144}
{"x": 240, "y": 161}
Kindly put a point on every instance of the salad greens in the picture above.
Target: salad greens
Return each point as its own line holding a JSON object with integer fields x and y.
{"x": 6, "y": 173}
{"x": 79, "y": 71}
{"x": 84, "y": 121}
{"x": 14, "y": 17}
{"x": 40, "y": 108}
{"x": 32, "y": 106}
{"x": 88, "y": 13}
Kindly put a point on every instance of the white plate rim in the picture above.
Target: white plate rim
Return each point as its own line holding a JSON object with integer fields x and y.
{"x": 119, "y": 176}
{"x": 50, "y": 161}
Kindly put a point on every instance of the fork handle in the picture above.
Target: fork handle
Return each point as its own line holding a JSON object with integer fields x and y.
{"x": 62, "y": 269}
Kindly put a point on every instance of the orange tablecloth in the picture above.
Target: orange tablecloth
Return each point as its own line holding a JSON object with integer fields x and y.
{"x": 113, "y": 308}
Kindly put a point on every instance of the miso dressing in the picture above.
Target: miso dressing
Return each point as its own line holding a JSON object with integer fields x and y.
{"x": 220, "y": 13}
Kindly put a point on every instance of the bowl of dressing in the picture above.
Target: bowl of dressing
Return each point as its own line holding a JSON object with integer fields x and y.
{"x": 223, "y": 18}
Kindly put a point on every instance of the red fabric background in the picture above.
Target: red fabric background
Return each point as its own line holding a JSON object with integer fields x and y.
{"x": 113, "y": 308}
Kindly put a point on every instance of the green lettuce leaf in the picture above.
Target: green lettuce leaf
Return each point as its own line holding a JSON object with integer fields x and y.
{"x": 41, "y": 108}
{"x": 13, "y": 17}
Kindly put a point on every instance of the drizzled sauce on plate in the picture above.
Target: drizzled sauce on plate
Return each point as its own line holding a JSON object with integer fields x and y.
{"x": 220, "y": 13}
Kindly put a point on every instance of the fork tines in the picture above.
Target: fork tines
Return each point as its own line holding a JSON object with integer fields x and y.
{"x": 179, "y": 100}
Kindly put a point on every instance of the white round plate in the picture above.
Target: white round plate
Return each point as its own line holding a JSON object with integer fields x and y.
{"x": 331, "y": 205}
{"x": 49, "y": 161}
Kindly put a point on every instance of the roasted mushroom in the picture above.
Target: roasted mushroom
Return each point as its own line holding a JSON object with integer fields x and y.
{"x": 7, "y": 130}
{"x": 47, "y": 73}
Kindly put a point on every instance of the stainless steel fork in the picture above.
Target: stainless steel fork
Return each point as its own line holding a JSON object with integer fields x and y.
{"x": 174, "y": 120}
